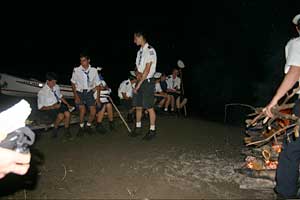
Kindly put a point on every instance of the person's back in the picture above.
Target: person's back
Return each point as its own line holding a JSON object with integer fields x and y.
{"x": 164, "y": 86}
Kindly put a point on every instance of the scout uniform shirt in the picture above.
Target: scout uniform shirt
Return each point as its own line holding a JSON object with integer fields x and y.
{"x": 292, "y": 53}
{"x": 146, "y": 55}
{"x": 48, "y": 96}
{"x": 85, "y": 79}
{"x": 125, "y": 87}
{"x": 173, "y": 83}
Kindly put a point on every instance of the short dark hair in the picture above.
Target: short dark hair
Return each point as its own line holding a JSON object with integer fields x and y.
{"x": 84, "y": 55}
{"x": 140, "y": 34}
{"x": 51, "y": 76}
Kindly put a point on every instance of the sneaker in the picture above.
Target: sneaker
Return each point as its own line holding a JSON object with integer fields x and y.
{"x": 80, "y": 132}
{"x": 136, "y": 132}
{"x": 67, "y": 133}
{"x": 89, "y": 130}
{"x": 100, "y": 128}
{"x": 54, "y": 132}
{"x": 151, "y": 134}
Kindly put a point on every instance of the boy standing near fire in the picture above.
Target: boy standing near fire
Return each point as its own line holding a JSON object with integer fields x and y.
{"x": 288, "y": 168}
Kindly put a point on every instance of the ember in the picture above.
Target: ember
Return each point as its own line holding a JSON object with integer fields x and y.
{"x": 259, "y": 164}
{"x": 271, "y": 164}
{"x": 277, "y": 147}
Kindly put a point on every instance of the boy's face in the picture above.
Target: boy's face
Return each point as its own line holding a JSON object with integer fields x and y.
{"x": 138, "y": 40}
{"x": 84, "y": 62}
{"x": 51, "y": 83}
{"x": 175, "y": 72}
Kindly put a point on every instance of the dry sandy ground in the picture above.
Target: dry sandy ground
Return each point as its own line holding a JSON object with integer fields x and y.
{"x": 189, "y": 159}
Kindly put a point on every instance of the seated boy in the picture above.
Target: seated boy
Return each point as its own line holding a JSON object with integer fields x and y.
{"x": 105, "y": 106}
{"x": 161, "y": 97}
{"x": 125, "y": 93}
{"x": 52, "y": 103}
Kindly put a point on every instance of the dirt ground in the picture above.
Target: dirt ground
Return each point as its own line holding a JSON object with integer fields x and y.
{"x": 189, "y": 159}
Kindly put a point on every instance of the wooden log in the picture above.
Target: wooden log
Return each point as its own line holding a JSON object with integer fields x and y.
{"x": 262, "y": 174}
{"x": 257, "y": 184}
{"x": 269, "y": 138}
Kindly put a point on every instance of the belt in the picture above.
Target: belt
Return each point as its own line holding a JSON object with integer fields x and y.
{"x": 81, "y": 91}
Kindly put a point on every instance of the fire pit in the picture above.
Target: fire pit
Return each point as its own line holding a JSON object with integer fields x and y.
{"x": 263, "y": 143}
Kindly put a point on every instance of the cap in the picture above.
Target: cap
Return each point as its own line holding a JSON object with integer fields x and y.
{"x": 180, "y": 64}
{"x": 296, "y": 19}
{"x": 157, "y": 75}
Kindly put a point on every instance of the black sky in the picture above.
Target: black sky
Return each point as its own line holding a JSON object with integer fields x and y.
{"x": 234, "y": 50}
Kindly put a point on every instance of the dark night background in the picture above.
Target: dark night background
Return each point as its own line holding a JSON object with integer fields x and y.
{"x": 233, "y": 51}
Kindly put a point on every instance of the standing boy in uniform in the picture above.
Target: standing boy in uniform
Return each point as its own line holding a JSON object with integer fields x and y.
{"x": 84, "y": 80}
{"x": 143, "y": 96}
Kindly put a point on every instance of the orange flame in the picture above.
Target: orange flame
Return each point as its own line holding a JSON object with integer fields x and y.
{"x": 277, "y": 148}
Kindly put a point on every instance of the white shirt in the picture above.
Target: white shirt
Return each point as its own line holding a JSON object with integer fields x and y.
{"x": 292, "y": 53}
{"x": 85, "y": 79}
{"x": 48, "y": 96}
{"x": 125, "y": 87}
{"x": 146, "y": 55}
{"x": 103, "y": 93}
{"x": 173, "y": 83}
{"x": 158, "y": 88}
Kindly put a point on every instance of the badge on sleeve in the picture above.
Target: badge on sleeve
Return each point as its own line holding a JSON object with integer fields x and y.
{"x": 151, "y": 53}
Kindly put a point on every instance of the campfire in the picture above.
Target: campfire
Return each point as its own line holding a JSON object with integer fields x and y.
{"x": 264, "y": 139}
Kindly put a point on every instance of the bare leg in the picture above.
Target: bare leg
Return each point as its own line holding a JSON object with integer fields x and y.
{"x": 178, "y": 103}
{"x": 82, "y": 112}
{"x": 161, "y": 103}
{"x": 168, "y": 101}
{"x": 92, "y": 114}
{"x": 152, "y": 116}
{"x": 59, "y": 118}
{"x": 139, "y": 114}
{"x": 100, "y": 114}
{"x": 172, "y": 102}
{"x": 67, "y": 116}
{"x": 109, "y": 112}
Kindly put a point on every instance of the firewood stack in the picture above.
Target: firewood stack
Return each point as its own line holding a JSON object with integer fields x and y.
{"x": 265, "y": 137}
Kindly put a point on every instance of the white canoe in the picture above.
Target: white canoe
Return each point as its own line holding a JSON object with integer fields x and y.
{"x": 15, "y": 86}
